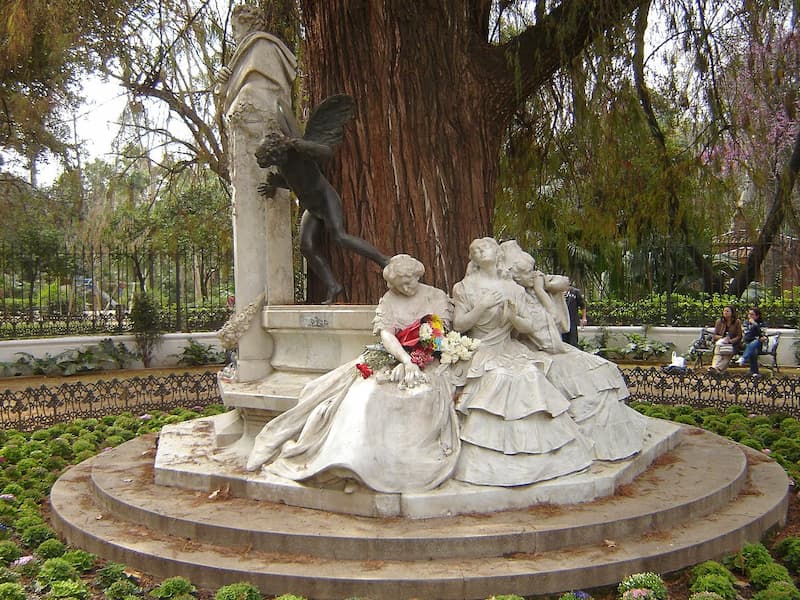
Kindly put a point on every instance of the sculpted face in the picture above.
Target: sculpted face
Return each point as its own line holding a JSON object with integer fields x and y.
{"x": 405, "y": 281}
{"x": 483, "y": 251}
{"x": 524, "y": 273}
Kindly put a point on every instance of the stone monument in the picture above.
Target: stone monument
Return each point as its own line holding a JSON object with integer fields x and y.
{"x": 517, "y": 399}
{"x": 259, "y": 76}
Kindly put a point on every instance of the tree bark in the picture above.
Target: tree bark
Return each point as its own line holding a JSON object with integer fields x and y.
{"x": 418, "y": 167}
{"x": 776, "y": 214}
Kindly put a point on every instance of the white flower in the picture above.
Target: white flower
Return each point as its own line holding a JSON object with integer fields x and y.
{"x": 448, "y": 358}
{"x": 425, "y": 332}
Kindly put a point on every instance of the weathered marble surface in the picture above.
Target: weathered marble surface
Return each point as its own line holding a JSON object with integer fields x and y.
{"x": 260, "y": 74}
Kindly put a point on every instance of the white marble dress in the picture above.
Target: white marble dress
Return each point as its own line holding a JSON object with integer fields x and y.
{"x": 516, "y": 428}
{"x": 345, "y": 427}
{"x": 594, "y": 387}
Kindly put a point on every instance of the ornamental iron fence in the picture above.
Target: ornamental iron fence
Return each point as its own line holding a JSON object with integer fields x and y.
{"x": 87, "y": 290}
{"x": 43, "y": 406}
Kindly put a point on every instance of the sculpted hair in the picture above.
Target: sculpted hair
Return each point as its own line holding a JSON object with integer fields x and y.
{"x": 251, "y": 16}
{"x": 514, "y": 259}
{"x": 403, "y": 262}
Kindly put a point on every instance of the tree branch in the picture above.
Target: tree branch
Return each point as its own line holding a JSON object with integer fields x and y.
{"x": 781, "y": 201}
{"x": 531, "y": 58}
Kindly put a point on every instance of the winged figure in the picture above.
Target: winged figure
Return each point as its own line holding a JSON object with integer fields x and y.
{"x": 297, "y": 159}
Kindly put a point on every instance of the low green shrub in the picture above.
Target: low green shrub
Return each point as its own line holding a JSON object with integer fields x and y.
{"x": 197, "y": 354}
{"x": 72, "y": 589}
{"x": 56, "y": 569}
{"x": 173, "y": 588}
{"x": 9, "y": 552}
{"x": 34, "y": 535}
{"x": 710, "y": 567}
{"x": 80, "y": 559}
{"x": 238, "y": 591}
{"x": 110, "y": 573}
{"x": 51, "y": 548}
{"x": 647, "y": 580}
{"x": 763, "y": 575}
{"x": 717, "y": 583}
{"x": 705, "y": 596}
{"x": 750, "y": 557}
{"x": 778, "y": 590}
{"x": 788, "y": 551}
{"x": 12, "y": 591}
{"x": 8, "y": 576}
{"x": 122, "y": 589}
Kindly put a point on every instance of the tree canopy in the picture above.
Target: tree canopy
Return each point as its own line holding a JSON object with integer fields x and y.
{"x": 591, "y": 130}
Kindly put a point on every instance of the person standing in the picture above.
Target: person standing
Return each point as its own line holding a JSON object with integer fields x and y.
{"x": 754, "y": 334}
{"x": 575, "y": 303}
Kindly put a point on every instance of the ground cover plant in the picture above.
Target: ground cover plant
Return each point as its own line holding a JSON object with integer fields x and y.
{"x": 34, "y": 563}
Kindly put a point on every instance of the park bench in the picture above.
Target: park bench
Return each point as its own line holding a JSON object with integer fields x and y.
{"x": 704, "y": 345}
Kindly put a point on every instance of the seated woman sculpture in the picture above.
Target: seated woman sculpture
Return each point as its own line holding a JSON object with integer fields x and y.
{"x": 593, "y": 385}
{"x": 516, "y": 427}
{"x": 391, "y": 427}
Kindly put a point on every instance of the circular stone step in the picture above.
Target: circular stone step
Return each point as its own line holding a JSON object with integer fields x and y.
{"x": 680, "y": 512}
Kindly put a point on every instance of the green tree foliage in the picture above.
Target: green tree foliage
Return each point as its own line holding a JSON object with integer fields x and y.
{"x": 146, "y": 325}
{"x": 47, "y": 46}
{"x": 616, "y": 156}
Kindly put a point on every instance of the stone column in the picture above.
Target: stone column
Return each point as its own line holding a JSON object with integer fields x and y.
{"x": 260, "y": 73}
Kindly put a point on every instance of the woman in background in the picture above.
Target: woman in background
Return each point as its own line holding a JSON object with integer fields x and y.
{"x": 727, "y": 339}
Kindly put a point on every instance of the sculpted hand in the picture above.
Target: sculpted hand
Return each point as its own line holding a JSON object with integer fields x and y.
{"x": 224, "y": 74}
{"x": 266, "y": 190}
{"x": 510, "y": 311}
{"x": 492, "y": 298}
{"x": 408, "y": 375}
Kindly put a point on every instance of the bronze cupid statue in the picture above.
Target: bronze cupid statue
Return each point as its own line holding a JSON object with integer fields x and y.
{"x": 297, "y": 158}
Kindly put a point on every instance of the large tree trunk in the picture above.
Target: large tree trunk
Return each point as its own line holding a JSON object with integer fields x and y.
{"x": 419, "y": 165}
{"x": 418, "y": 168}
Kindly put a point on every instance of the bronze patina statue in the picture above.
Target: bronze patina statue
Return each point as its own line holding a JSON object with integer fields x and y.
{"x": 297, "y": 158}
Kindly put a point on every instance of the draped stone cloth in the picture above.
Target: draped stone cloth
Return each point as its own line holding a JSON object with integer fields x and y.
{"x": 370, "y": 430}
{"x": 594, "y": 387}
{"x": 515, "y": 428}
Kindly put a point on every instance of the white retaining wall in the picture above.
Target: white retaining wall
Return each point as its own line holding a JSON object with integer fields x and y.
{"x": 166, "y": 354}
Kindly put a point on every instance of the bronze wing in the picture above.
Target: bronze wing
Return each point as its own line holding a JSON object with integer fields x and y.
{"x": 326, "y": 124}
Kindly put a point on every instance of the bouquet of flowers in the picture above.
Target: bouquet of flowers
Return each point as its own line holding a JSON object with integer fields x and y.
{"x": 425, "y": 339}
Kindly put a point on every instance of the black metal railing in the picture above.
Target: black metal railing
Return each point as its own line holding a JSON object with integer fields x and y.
{"x": 44, "y": 406}
{"x": 88, "y": 290}
{"x": 700, "y": 389}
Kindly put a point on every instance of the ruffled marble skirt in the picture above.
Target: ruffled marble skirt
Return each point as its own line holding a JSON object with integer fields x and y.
{"x": 597, "y": 392}
{"x": 515, "y": 428}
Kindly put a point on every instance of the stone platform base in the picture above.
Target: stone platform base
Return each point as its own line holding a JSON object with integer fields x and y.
{"x": 188, "y": 458}
{"x": 703, "y": 499}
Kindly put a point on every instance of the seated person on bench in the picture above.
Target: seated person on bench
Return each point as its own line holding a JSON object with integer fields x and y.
{"x": 755, "y": 333}
{"x": 727, "y": 339}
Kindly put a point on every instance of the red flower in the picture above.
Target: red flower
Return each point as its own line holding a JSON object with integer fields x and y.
{"x": 421, "y": 357}
{"x": 409, "y": 337}
{"x": 364, "y": 370}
